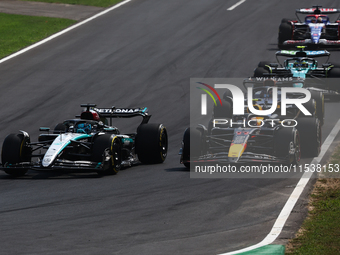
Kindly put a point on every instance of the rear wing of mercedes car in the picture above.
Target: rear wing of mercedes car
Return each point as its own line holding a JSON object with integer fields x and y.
{"x": 115, "y": 112}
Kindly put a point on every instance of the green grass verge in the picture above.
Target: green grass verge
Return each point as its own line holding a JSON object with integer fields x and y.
{"x": 98, "y": 3}
{"x": 19, "y": 31}
{"x": 320, "y": 232}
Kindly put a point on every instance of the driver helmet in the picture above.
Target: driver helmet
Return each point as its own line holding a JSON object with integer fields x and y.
{"x": 313, "y": 20}
{"x": 84, "y": 128}
{"x": 304, "y": 64}
{"x": 319, "y": 20}
{"x": 296, "y": 64}
{"x": 90, "y": 115}
{"x": 256, "y": 121}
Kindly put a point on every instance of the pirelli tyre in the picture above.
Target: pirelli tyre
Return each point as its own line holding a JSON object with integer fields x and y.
{"x": 107, "y": 151}
{"x": 191, "y": 145}
{"x": 287, "y": 145}
{"x": 311, "y": 107}
{"x": 223, "y": 111}
{"x": 334, "y": 72}
{"x": 310, "y": 136}
{"x": 333, "y": 84}
{"x": 285, "y": 33}
{"x": 284, "y": 20}
{"x": 151, "y": 143}
{"x": 320, "y": 105}
{"x": 264, "y": 63}
{"x": 16, "y": 150}
{"x": 261, "y": 71}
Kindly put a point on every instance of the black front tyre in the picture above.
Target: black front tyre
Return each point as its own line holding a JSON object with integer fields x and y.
{"x": 107, "y": 150}
{"x": 15, "y": 150}
{"x": 287, "y": 145}
{"x": 151, "y": 143}
{"x": 192, "y": 146}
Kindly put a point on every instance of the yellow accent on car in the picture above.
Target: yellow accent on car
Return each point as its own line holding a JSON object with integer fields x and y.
{"x": 236, "y": 150}
{"x": 112, "y": 157}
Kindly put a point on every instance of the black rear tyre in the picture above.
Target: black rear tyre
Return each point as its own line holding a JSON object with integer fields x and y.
{"x": 310, "y": 135}
{"x": 151, "y": 143}
{"x": 287, "y": 21}
{"x": 264, "y": 63}
{"x": 311, "y": 107}
{"x": 261, "y": 72}
{"x": 320, "y": 105}
{"x": 223, "y": 111}
{"x": 15, "y": 149}
{"x": 285, "y": 33}
{"x": 334, "y": 72}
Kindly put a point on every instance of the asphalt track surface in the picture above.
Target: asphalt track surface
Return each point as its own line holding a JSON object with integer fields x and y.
{"x": 141, "y": 54}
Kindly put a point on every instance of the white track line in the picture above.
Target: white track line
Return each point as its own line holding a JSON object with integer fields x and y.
{"x": 63, "y": 31}
{"x": 282, "y": 218}
{"x": 235, "y": 5}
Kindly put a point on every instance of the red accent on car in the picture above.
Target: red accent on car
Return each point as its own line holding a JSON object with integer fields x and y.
{"x": 90, "y": 115}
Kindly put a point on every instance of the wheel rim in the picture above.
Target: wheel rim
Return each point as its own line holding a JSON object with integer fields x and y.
{"x": 163, "y": 144}
{"x": 116, "y": 156}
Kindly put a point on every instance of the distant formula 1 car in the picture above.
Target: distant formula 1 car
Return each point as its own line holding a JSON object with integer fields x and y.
{"x": 317, "y": 95}
{"x": 86, "y": 144}
{"x": 315, "y": 30}
{"x": 301, "y": 65}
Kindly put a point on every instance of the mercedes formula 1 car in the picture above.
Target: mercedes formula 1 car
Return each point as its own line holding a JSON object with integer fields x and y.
{"x": 301, "y": 65}
{"x": 252, "y": 138}
{"x": 315, "y": 30}
{"x": 87, "y": 144}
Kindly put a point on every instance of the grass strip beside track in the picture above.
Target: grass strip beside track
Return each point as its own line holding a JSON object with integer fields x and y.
{"x": 320, "y": 232}
{"x": 98, "y": 3}
{"x": 20, "y": 31}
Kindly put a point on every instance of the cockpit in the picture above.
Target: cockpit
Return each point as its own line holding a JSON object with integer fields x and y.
{"x": 317, "y": 19}
{"x": 83, "y": 128}
{"x": 300, "y": 63}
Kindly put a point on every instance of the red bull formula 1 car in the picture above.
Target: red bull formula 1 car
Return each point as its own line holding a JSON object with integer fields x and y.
{"x": 315, "y": 30}
{"x": 252, "y": 138}
{"x": 87, "y": 144}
